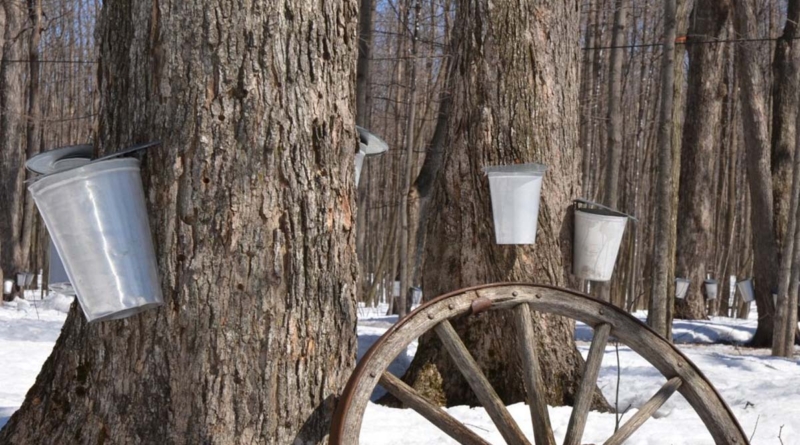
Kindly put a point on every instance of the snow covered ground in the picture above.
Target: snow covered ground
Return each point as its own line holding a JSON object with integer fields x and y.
{"x": 764, "y": 392}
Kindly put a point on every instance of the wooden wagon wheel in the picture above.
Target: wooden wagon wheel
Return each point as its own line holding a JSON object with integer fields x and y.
{"x": 682, "y": 375}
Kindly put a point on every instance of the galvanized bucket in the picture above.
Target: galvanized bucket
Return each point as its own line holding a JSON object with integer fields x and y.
{"x": 598, "y": 235}
{"x": 746, "y": 288}
{"x": 681, "y": 287}
{"x": 24, "y": 279}
{"x": 711, "y": 289}
{"x": 515, "y": 191}
{"x": 359, "y": 159}
{"x": 97, "y": 221}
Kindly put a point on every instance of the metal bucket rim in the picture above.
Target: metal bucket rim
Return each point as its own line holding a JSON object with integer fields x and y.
{"x": 603, "y": 214}
{"x": 59, "y": 179}
{"x": 531, "y": 169}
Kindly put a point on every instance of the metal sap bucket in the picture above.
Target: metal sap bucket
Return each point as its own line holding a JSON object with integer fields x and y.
{"x": 746, "y": 289}
{"x": 711, "y": 289}
{"x": 681, "y": 287}
{"x": 24, "y": 279}
{"x": 598, "y": 235}
{"x": 97, "y": 221}
{"x": 515, "y": 192}
{"x": 359, "y": 159}
{"x": 58, "y": 280}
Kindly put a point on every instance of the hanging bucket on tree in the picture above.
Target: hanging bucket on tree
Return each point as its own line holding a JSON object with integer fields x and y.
{"x": 57, "y": 280}
{"x": 8, "y": 287}
{"x": 515, "y": 192}
{"x": 598, "y": 235}
{"x": 24, "y": 279}
{"x": 711, "y": 289}
{"x": 746, "y": 289}
{"x": 368, "y": 145}
{"x": 97, "y": 221}
{"x": 681, "y": 288}
{"x": 359, "y": 159}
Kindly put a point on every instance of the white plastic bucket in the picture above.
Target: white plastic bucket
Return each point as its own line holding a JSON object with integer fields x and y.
{"x": 97, "y": 221}
{"x": 359, "y": 164}
{"x": 515, "y": 192}
{"x": 681, "y": 287}
{"x": 746, "y": 289}
{"x": 711, "y": 289}
{"x": 598, "y": 235}
{"x": 8, "y": 287}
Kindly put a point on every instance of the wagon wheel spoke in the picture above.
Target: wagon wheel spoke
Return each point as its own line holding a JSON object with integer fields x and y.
{"x": 583, "y": 401}
{"x": 480, "y": 385}
{"x": 542, "y": 431}
{"x": 426, "y": 409}
{"x": 644, "y": 413}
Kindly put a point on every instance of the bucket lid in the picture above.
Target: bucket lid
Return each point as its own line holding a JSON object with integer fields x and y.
{"x": 681, "y": 280}
{"x": 517, "y": 169}
{"x": 60, "y": 159}
{"x": 371, "y": 144}
{"x": 611, "y": 211}
{"x": 710, "y": 281}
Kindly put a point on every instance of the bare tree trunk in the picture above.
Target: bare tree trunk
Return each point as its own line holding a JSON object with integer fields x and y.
{"x": 614, "y": 115}
{"x": 363, "y": 104}
{"x": 12, "y": 130}
{"x": 703, "y": 115}
{"x": 785, "y": 103}
{"x": 251, "y": 202}
{"x": 406, "y": 210}
{"x": 33, "y": 129}
{"x": 751, "y": 84}
{"x": 614, "y": 118}
{"x": 429, "y": 173}
{"x": 658, "y": 315}
{"x": 506, "y": 109}
{"x": 784, "y": 330}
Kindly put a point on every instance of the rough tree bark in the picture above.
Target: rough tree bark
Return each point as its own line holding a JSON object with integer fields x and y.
{"x": 755, "y": 127}
{"x": 251, "y": 204}
{"x": 514, "y": 100}
{"x": 12, "y": 140}
{"x": 614, "y": 118}
{"x": 705, "y": 92}
{"x": 785, "y": 103}
{"x": 408, "y": 169}
{"x": 658, "y": 315}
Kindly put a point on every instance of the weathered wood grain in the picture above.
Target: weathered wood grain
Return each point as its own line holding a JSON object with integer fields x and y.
{"x": 667, "y": 359}
{"x": 580, "y": 411}
{"x": 542, "y": 431}
{"x": 426, "y": 409}
{"x": 644, "y": 413}
{"x": 478, "y": 382}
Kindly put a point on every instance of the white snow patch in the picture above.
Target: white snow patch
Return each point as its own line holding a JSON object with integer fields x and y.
{"x": 759, "y": 388}
{"x": 28, "y": 332}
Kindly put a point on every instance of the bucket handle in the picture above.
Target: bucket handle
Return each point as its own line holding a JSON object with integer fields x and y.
{"x": 591, "y": 203}
{"x": 128, "y": 150}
